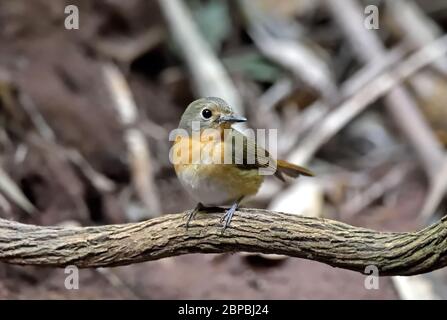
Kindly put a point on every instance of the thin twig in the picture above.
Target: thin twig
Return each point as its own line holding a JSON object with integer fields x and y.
{"x": 13, "y": 192}
{"x": 376, "y": 190}
{"x": 400, "y": 105}
{"x": 437, "y": 192}
{"x": 139, "y": 155}
{"x": 126, "y": 50}
{"x": 314, "y": 114}
{"x": 418, "y": 28}
{"x": 209, "y": 76}
{"x": 292, "y": 54}
{"x": 98, "y": 180}
{"x": 352, "y": 107}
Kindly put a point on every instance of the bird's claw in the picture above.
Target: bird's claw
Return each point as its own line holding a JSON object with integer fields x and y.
{"x": 226, "y": 218}
{"x": 222, "y": 219}
{"x": 191, "y": 214}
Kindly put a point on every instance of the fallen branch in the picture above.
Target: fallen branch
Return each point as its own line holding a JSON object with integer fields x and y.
{"x": 140, "y": 157}
{"x": 274, "y": 41}
{"x": 251, "y": 230}
{"x": 417, "y": 28}
{"x": 399, "y": 103}
{"x": 356, "y": 104}
{"x": 438, "y": 191}
{"x": 13, "y": 192}
{"x": 376, "y": 190}
{"x": 208, "y": 74}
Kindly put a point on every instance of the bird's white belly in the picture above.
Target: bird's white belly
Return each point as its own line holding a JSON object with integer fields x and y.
{"x": 203, "y": 189}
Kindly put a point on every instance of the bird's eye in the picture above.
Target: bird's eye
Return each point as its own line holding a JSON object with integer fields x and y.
{"x": 206, "y": 113}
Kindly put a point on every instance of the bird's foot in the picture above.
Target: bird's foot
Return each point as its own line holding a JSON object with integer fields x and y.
{"x": 191, "y": 214}
{"x": 226, "y": 218}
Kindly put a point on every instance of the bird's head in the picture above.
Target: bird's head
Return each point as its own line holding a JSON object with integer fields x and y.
{"x": 209, "y": 113}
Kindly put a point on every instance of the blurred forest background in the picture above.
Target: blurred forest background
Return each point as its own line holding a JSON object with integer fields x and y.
{"x": 85, "y": 116}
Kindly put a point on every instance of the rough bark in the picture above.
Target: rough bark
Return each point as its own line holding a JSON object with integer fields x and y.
{"x": 331, "y": 242}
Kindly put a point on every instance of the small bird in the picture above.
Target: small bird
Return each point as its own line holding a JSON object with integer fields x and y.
{"x": 208, "y": 135}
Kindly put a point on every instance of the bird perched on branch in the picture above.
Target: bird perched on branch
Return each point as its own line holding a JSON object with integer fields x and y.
{"x": 217, "y": 164}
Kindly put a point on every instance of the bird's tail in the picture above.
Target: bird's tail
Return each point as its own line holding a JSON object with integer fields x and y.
{"x": 291, "y": 170}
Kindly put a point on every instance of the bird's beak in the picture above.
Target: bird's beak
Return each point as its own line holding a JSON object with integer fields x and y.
{"x": 231, "y": 118}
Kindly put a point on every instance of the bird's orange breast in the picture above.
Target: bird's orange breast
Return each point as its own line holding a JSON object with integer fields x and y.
{"x": 201, "y": 149}
{"x": 201, "y": 161}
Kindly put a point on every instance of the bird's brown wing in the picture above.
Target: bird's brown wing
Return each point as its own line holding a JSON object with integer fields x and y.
{"x": 253, "y": 156}
{"x": 246, "y": 154}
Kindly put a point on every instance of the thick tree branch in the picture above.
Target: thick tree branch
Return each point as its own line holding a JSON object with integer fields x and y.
{"x": 253, "y": 230}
